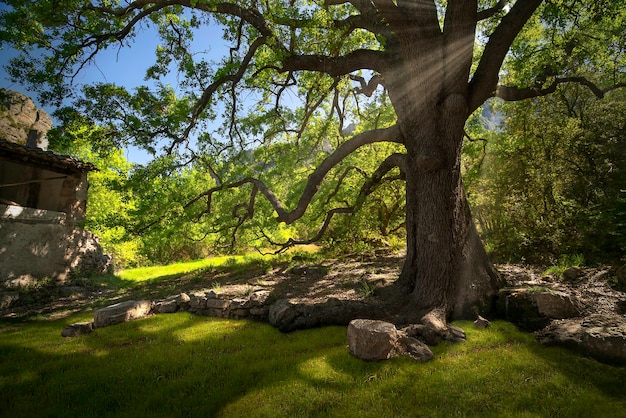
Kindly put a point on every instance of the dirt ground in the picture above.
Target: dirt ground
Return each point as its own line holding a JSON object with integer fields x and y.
{"x": 349, "y": 278}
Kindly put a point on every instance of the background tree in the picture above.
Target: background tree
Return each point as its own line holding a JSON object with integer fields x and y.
{"x": 552, "y": 183}
{"x": 437, "y": 62}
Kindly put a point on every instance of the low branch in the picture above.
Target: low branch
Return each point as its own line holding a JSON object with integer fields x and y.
{"x": 391, "y": 134}
{"x": 284, "y": 246}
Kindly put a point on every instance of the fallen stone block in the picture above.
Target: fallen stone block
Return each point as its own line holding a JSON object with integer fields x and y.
{"x": 121, "y": 312}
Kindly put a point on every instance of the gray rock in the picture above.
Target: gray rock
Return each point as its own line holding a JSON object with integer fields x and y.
{"x": 282, "y": 312}
{"x": 217, "y": 304}
{"x": 481, "y": 323}
{"x": 557, "y": 305}
{"x": 258, "y": 298}
{"x": 373, "y": 340}
{"x": 121, "y": 312}
{"x": 601, "y": 336}
{"x": 79, "y": 328}
{"x": 166, "y": 306}
{"x": 183, "y": 299}
{"x": 532, "y": 309}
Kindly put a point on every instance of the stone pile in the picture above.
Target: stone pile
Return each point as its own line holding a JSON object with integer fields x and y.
{"x": 209, "y": 303}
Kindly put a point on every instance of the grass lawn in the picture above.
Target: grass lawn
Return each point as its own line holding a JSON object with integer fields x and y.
{"x": 180, "y": 365}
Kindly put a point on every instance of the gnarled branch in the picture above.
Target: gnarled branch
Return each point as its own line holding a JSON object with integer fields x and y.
{"x": 391, "y": 134}
{"x": 512, "y": 94}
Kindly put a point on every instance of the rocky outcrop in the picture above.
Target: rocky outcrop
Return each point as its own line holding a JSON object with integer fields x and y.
{"x": 532, "y": 308}
{"x": 577, "y": 309}
{"x": 21, "y": 122}
{"x": 600, "y": 336}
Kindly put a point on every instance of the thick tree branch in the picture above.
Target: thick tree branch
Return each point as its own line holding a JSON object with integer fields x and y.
{"x": 394, "y": 160}
{"x": 361, "y": 59}
{"x": 492, "y": 11}
{"x": 367, "y": 87}
{"x": 314, "y": 180}
{"x": 485, "y": 78}
{"x": 512, "y": 94}
{"x": 284, "y": 246}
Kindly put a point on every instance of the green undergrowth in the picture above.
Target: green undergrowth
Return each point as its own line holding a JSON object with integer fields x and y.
{"x": 182, "y": 365}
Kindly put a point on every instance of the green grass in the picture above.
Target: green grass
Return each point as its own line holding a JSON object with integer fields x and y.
{"x": 141, "y": 274}
{"x": 182, "y": 365}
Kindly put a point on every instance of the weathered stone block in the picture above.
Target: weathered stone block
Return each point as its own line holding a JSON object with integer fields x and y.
{"x": 601, "y": 336}
{"x": 217, "y": 303}
{"x": 258, "y": 298}
{"x": 166, "y": 306}
{"x": 372, "y": 340}
{"x": 121, "y": 312}
{"x": 198, "y": 302}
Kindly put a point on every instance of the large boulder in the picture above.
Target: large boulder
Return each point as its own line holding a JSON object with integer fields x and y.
{"x": 532, "y": 308}
{"x": 374, "y": 340}
{"x": 121, "y": 312}
{"x": 601, "y": 336}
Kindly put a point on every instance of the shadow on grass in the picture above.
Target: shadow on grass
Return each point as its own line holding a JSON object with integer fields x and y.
{"x": 185, "y": 365}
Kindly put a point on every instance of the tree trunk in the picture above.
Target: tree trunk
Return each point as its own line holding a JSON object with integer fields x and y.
{"x": 446, "y": 273}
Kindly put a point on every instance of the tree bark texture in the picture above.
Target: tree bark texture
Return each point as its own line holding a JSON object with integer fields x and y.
{"x": 446, "y": 272}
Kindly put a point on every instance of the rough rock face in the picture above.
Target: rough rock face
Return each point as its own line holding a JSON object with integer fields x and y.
{"x": 601, "y": 336}
{"x": 21, "y": 122}
{"x": 378, "y": 340}
{"x": 533, "y": 308}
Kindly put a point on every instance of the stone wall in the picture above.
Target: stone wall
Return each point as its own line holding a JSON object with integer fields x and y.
{"x": 36, "y": 244}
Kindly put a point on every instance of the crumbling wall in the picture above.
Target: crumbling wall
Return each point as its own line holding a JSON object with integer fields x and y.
{"x": 37, "y": 244}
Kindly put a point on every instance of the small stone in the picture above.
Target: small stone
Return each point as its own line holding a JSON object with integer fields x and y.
{"x": 183, "y": 299}
{"x": 79, "y": 328}
{"x": 481, "y": 323}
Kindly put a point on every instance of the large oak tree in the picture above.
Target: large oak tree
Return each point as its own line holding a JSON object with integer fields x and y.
{"x": 434, "y": 61}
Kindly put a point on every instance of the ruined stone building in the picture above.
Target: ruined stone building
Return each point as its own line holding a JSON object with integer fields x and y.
{"x": 43, "y": 198}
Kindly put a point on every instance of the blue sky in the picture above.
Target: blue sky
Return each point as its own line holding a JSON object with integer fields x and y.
{"x": 124, "y": 67}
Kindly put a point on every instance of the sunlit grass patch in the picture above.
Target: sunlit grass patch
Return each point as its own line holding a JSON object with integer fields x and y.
{"x": 143, "y": 274}
{"x": 186, "y": 365}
